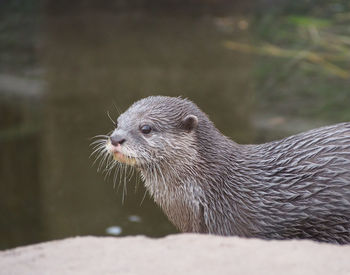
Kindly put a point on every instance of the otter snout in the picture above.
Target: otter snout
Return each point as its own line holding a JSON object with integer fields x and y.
{"x": 114, "y": 147}
{"x": 117, "y": 139}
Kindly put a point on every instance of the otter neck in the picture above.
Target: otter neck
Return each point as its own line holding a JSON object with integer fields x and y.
{"x": 180, "y": 189}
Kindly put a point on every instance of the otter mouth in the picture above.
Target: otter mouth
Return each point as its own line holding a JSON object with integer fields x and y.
{"x": 120, "y": 157}
{"x": 115, "y": 151}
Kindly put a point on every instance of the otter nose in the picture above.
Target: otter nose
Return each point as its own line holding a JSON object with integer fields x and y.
{"x": 117, "y": 139}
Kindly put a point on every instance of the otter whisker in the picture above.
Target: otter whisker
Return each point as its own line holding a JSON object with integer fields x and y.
{"x": 100, "y": 154}
{"x": 109, "y": 170}
{"x": 115, "y": 106}
{"x": 149, "y": 174}
{"x": 143, "y": 197}
{"x": 97, "y": 152}
{"x": 103, "y": 155}
{"x": 100, "y": 148}
{"x": 121, "y": 176}
{"x": 110, "y": 118}
{"x": 118, "y": 174}
{"x": 103, "y": 161}
{"x": 98, "y": 142}
{"x": 124, "y": 178}
{"x": 129, "y": 170}
{"x": 100, "y": 136}
{"x": 111, "y": 163}
{"x": 97, "y": 149}
{"x": 137, "y": 178}
{"x": 125, "y": 191}
{"x": 116, "y": 170}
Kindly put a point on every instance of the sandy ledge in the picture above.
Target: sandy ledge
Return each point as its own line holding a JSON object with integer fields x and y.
{"x": 176, "y": 254}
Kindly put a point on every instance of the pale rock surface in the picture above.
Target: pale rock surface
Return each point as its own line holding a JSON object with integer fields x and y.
{"x": 176, "y": 254}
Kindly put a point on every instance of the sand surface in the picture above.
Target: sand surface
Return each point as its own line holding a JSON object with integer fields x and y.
{"x": 176, "y": 254}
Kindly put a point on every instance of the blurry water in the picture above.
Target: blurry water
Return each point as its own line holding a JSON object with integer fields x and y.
{"x": 62, "y": 74}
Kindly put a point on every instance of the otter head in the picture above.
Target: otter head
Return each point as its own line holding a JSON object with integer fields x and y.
{"x": 156, "y": 131}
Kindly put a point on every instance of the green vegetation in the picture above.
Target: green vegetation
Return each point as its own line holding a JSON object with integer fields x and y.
{"x": 307, "y": 70}
{"x": 302, "y": 62}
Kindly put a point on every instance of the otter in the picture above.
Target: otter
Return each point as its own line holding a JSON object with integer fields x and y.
{"x": 294, "y": 188}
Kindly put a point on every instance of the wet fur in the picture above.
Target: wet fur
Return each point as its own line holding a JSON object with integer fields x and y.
{"x": 297, "y": 187}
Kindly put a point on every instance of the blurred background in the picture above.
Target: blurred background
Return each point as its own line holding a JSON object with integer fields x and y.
{"x": 261, "y": 69}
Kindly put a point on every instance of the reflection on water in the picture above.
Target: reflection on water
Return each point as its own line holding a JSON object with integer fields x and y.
{"x": 114, "y": 230}
{"x": 86, "y": 63}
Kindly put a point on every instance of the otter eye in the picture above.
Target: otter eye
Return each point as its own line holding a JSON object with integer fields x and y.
{"x": 145, "y": 129}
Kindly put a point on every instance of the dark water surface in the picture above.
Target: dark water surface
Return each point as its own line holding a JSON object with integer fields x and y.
{"x": 61, "y": 72}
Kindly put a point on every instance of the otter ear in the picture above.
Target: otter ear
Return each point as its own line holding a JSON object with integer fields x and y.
{"x": 189, "y": 123}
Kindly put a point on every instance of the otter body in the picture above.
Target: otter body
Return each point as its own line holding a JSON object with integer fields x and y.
{"x": 297, "y": 187}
